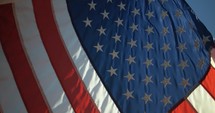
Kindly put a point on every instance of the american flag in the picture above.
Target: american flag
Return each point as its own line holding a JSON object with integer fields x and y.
{"x": 108, "y": 56}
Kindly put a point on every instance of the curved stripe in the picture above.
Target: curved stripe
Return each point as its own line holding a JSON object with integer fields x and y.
{"x": 209, "y": 82}
{"x": 22, "y": 72}
{"x": 212, "y": 62}
{"x": 66, "y": 72}
{"x": 9, "y": 96}
{"x": 201, "y": 100}
{"x": 184, "y": 107}
{"x": 38, "y": 57}
{"x": 212, "y": 52}
{"x": 86, "y": 71}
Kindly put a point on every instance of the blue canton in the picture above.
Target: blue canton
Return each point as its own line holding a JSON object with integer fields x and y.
{"x": 149, "y": 54}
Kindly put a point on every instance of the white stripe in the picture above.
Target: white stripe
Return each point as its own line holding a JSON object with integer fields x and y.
{"x": 10, "y": 99}
{"x": 212, "y": 62}
{"x": 202, "y": 101}
{"x": 38, "y": 57}
{"x": 91, "y": 80}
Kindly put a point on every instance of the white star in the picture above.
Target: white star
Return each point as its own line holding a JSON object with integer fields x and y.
{"x": 150, "y": 1}
{"x": 183, "y": 64}
{"x": 180, "y": 30}
{"x": 163, "y": 1}
{"x": 166, "y": 81}
{"x": 119, "y": 22}
{"x": 196, "y": 43}
{"x": 147, "y": 98}
{"x": 117, "y": 38}
{"x": 98, "y": 47}
{"x": 105, "y": 14}
{"x": 201, "y": 63}
{"x": 182, "y": 47}
{"x": 128, "y": 94}
{"x": 166, "y": 64}
{"x": 148, "y": 80}
{"x": 101, "y": 31}
{"x": 166, "y": 100}
{"x": 206, "y": 39}
{"x": 134, "y": 27}
{"x": 164, "y": 14}
{"x": 129, "y": 76}
{"x": 185, "y": 82}
{"x": 92, "y": 5}
{"x": 136, "y": 12}
{"x": 132, "y": 43}
{"x": 150, "y": 14}
{"x": 165, "y": 31}
{"x": 130, "y": 59}
{"x": 148, "y": 46}
{"x": 114, "y": 54}
{"x": 121, "y": 6}
{"x": 87, "y": 22}
{"x": 148, "y": 63}
{"x": 165, "y": 47}
{"x": 112, "y": 71}
{"x": 178, "y": 13}
{"x": 149, "y": 30}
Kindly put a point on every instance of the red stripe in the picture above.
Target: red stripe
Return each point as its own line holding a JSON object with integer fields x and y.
{"x": 66, "y": 72}
{"x": 209, "y": 82}
{"x": 19, "y": 64}
{"x": 184, "y": 107}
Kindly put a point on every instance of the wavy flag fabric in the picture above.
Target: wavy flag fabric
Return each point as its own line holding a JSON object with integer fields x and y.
{"x": 104, "y": 56}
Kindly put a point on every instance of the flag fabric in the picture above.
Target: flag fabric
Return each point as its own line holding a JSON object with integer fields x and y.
{"x": 108, "y": 56}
